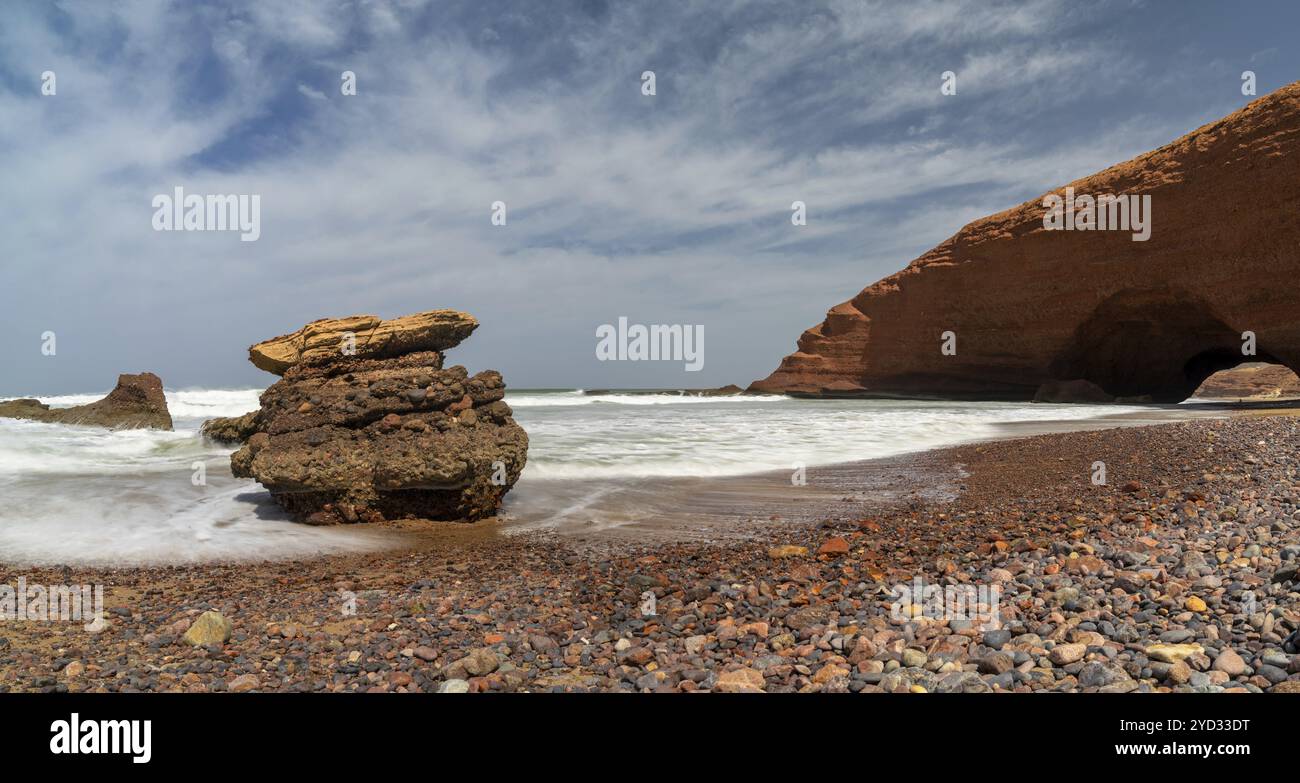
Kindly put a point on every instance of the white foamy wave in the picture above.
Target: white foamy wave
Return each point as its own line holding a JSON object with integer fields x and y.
{"x": 723, "y": 438}
{"x": 211, "y": 403}
{"x": 95, "y": 496}
{"x": 181, "y": 403}
{"x": 131, "y": 522}
{"x": 35, "y": 448}
{"x": 90, "y": 495}
{"x": 69, "y": 400}
{"x": 579, "y": 397}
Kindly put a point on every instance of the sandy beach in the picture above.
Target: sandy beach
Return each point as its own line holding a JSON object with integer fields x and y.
{"x": 1178, "y": 573}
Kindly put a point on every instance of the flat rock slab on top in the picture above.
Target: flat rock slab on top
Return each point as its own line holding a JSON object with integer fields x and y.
{"x": 371, "y": 336}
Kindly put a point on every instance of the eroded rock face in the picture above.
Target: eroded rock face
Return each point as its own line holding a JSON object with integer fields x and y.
{"x": 362, "y": 438}
{"x": 1029, "y": 306}
{"x": 137, "y": 402}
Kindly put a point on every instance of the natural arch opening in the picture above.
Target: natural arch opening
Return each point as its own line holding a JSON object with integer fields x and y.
{"x": 1255, "y": 380}
{"x": 1157, "y": 344}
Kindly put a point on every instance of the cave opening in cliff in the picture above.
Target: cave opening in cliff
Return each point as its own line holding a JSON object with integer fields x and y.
{"x": 1156, "y": 344}
{"x": 1215, "y": 360}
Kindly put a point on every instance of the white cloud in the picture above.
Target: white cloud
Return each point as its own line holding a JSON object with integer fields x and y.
{"x": 669, "y": 207}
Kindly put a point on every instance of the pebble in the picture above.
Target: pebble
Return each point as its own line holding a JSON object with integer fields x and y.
{"x": 209, "y": 628}
{"x": 1063, "y": 654}
{"x": 1230, "y": 663}
{"x": 741, "y": 681}
{"x": 453, "y": 686}
{"x": 914, "y": 658}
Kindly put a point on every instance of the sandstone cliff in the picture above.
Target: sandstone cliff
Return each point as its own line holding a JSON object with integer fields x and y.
{"x": 137, "y": 402}
{"x": 381, "y": 430}
{"x": 1029, "y": 306}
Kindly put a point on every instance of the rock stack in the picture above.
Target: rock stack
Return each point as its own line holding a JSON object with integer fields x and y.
{"x": 367, "y": 425}
{"x": 137, "y": 402}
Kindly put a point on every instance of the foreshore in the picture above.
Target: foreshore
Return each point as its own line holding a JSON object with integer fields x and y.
{"x": 1177, "y": 573}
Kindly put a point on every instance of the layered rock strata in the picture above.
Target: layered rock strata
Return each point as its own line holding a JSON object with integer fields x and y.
{"x": 382, "y": 430}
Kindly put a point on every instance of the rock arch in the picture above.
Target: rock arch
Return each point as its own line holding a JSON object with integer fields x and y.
{"x": 1033, "y": 307}
{"x": 1160, "y": 343}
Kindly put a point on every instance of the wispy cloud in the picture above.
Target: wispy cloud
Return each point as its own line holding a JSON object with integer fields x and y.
{"x": 672, "y": 208}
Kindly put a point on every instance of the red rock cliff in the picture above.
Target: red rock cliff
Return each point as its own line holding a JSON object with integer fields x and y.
{"x": 1030, "y": 306}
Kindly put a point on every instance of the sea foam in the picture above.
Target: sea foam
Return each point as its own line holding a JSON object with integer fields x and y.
{"x": 89, "y": 495}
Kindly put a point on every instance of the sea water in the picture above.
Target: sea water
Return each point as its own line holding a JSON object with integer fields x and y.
{"x": 84, "y": 495}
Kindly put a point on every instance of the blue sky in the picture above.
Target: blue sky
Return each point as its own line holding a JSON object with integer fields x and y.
{"x": 671, "y": 209}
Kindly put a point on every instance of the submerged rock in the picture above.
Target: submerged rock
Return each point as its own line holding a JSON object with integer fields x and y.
{"x": 137, "y": 402}
{"x": 721, "y": 391}
{"x": 234, "y": 429}
{"x": 382, "y": 433}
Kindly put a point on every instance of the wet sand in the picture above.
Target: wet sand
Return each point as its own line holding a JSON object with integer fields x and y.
{"x": 660, "y": 510}
{"x": 654, "y": 510}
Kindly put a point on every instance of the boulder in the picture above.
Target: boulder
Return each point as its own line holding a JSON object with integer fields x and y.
{"x": 375, "y": 436}
{"x": 363, "y": 336}
{"x": 231, "y": 430}
{"x": 1028, "y": 306}
{"x": 721, "y": 391}
{"x": 137, "y": 402}
{"x": 1077, "y": 390}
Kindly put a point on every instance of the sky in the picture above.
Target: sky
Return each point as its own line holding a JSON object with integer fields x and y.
{"x": 672, "y": 208}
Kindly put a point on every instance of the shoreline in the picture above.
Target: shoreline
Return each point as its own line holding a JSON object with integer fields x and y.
{"x": 1105, "y": 573}
{"x": 160, "y": 523}
{"x": 879, "y": 484}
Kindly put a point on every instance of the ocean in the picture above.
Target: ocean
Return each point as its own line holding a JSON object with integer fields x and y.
{"x": 80, "y": 495}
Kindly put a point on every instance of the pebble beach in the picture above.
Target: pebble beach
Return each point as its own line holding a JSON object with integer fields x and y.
{"x": 1179, "y": 573}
